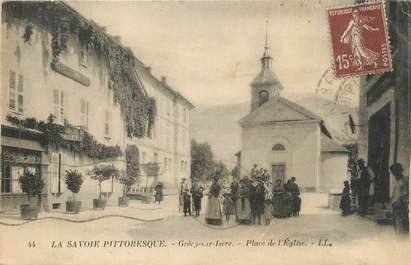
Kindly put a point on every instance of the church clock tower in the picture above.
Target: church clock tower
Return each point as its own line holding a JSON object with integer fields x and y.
{"x": 266, "y": 84}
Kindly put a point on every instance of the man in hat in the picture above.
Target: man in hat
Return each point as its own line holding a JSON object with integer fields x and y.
{"x": 400, "y": 199}
{"x": 296, "y": 200}
{"x": 187, "y": 202}
{"x": 254, "y": 172}
{"x": 181, "y": 193}
{"x": 258, "y": 201}
{"x": 197, "y": 196}
{"x": 234, "y": 194}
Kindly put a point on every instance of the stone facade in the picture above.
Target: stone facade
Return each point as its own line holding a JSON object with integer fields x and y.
{"x": 287, "y": 139}
{"x": 76, "y": 90}
{"x": 384, "y": 121}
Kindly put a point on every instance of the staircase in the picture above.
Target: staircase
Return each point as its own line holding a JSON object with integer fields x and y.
{"x": 381, "y": 213}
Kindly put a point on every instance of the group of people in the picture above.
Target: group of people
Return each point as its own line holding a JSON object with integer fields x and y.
{"x": 250, "y": 199}
{"x": 361, "y": 190}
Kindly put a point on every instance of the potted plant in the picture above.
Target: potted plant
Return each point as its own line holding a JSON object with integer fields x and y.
{"x": 74, "y": 180}
{"x": 100, "y": 174}
{"x": 32, "y": 185}
{"x": 126, "y": 181}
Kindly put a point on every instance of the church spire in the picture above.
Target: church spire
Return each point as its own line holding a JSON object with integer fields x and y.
{"x": 266, "y": 84}
{"x": 266, "y": 59}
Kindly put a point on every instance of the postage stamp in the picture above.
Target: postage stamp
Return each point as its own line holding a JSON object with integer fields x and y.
{"x": 359, "y": 39}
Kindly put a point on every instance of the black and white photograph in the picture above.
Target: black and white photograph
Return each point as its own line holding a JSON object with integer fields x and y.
{"x": 205, "y": 132}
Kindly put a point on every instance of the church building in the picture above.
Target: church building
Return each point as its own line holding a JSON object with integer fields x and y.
{"x": 287, "y": 139}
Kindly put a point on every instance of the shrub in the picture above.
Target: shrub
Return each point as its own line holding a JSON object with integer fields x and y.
{"x": 74, "y": 180}
{"x": 31, "y": 184}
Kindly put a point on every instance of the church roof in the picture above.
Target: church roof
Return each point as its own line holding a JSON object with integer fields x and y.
{"x": 331, "y": 146}
{"x": 272, "y": 112}
{"x": 266, "y": 77}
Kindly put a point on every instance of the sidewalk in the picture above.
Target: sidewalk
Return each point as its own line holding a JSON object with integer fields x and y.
{"x": 136, "y": 210}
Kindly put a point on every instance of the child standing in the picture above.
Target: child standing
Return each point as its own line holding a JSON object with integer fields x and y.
{"x": 228, "y": 206}
{"x": 345, "y": 204}
{"x": 187, "y": 202}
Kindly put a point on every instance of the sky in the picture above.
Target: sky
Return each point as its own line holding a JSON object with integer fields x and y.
{"x": 210, "y": 51}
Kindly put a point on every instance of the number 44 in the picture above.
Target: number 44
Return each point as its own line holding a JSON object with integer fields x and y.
{"x": 343, "y": 62}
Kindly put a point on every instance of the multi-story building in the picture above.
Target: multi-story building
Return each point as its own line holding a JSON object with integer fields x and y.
{"x": 385, "y": 100}
{"x": 169, "y": 145}
{"x": 76, "y": 87}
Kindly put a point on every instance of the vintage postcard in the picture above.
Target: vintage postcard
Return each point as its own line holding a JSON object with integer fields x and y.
{"x": 205, "y": 132}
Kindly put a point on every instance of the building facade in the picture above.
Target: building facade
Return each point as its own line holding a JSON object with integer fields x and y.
{"x": 287, "y": 139}
{"x": 384, "y": 121}
{"x": 77, "y": 90}
{"x": 169, "y": 145}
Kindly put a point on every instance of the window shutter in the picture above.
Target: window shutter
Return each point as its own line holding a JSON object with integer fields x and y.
{"x": 20, "y": 85}
{"x": 12, "y": 90}
{"x": 54, "y": 185}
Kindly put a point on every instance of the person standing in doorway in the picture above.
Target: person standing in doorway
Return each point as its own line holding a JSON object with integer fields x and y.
{"x": 400, "y": 199}
{"x": 365, "y": 175}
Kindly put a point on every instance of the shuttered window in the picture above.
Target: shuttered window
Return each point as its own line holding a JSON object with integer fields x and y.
{"x": 84, "y": 108}
{"x": 58, "y": 105}
{"x": 16, "y": 89}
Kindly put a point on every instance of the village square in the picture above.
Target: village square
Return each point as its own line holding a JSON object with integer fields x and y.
{"x": 129, "y": 137}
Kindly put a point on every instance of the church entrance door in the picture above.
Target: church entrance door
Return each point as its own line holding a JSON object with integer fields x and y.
{"x": 278, "y": 172}
{"x": 379, "y": 151}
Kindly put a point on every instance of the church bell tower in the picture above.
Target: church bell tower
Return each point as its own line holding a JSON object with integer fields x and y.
{"x": 266, "y": 84}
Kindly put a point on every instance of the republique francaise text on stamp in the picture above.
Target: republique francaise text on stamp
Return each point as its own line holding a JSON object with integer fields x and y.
{"x": 359, "y": 39}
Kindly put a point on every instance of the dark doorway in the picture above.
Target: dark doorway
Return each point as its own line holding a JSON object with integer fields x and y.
{"x": 379, "y": 151}
{"x": 278, "y": 172}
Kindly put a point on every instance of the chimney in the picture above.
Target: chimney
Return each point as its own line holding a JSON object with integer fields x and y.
{"x": 117, "y": 39}
{"x": 164, "y": 80}
{"x": 148, "y": 69}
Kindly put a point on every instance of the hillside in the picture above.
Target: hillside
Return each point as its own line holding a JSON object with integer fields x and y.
{"x": 218, "y": 124}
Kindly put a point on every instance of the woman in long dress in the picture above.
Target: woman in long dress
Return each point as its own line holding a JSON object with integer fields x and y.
{"x": 213, "y": 213}
{"x": 242, "y": 205}
{"x": 279, "y": 194}
{"x": 353, "y": 33}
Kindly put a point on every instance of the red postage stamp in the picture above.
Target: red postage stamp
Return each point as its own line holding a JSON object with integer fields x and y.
{"x": 359, "y": 39}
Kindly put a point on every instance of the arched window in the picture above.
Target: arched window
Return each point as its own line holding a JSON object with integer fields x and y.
{"x": 262, "y": 97}
{"x": 278, "y": 147}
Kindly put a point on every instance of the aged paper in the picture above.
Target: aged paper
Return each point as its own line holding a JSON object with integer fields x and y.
{"x": 205, "y": 132}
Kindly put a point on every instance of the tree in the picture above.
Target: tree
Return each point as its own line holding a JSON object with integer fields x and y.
{"x": 201, "y": 160}
{"x": 132, "y": 163}
{"x": 74, "y": 180}
{"x": 126, "y": 181}
{"x": 102, "y": 173}
{"x": 219, "y": 170}
{"x": 352, "y": 158}
{"x": 31, "y": 184}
